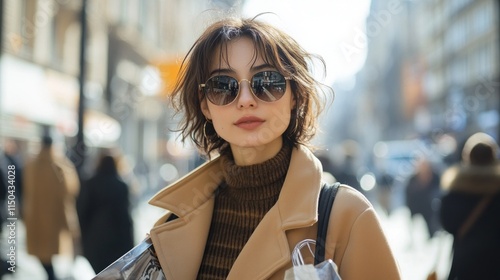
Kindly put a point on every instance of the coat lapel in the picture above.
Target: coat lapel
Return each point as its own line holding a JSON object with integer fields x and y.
{"x": 180, "y": 243}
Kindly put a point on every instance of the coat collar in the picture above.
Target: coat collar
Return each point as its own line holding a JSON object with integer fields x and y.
{"x": 472, "y": 179}
{"x": 180, "y": 244}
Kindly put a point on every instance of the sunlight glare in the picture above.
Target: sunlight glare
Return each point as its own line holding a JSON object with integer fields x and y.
{"x": 323, "y": 27}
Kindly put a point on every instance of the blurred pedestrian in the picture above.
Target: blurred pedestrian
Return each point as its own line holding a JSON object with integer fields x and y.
{"x": 422, "y": 194}
{"x": 251, "y": 104}
{"x": 346, "y": 171}
{"x": 105, "y": 218}
{"x": 385, "y": 183}
{"x": 13, "y": 157}
{"x": 327, "y": 167}
{"x": 51, "y": 185}
{"x": 470, "y": 210}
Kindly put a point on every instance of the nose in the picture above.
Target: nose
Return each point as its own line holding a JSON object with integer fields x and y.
{"x": 246, "y": 97}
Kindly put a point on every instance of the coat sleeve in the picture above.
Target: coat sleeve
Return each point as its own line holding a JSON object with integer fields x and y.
{"x": 361, "y": 250}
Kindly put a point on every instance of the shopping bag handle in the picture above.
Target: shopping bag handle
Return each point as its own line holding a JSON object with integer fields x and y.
{"x": 326, "y": 199}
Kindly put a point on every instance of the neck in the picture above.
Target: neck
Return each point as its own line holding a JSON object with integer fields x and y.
{"x": 254, "y": 155}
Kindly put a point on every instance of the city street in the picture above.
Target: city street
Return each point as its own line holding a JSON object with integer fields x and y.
{"x": 416, "y": 254}
{"x": 385, "y": 94}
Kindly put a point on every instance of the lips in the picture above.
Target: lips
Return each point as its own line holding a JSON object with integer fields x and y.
{"x": 249, "y": 123}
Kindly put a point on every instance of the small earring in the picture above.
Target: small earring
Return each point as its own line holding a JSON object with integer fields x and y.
{"x": 205, "y": 128}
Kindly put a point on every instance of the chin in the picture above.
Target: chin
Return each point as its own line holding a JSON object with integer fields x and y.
{"x": 250, "y": 144}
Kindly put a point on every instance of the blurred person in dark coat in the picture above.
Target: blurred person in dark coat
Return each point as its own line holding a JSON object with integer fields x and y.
{"x": 385, "y": 183}
{"x": 346, "y": 172}
{"x": 105, "y": 218}
{"x": 473, "y": 186}
{"x": 51, "y": 185}
{"x": 13, "y": 157}
{"x": 422, "y": 191}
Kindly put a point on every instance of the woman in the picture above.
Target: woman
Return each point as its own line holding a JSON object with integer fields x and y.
{"x": 247, "y": 95}
{"x": 50, "y": 188}
{"x": 105, "y": 218}
{"x": 470, "y": 210}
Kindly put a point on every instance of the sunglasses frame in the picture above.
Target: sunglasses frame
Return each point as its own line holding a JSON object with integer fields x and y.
{"x": 201, "y": 87}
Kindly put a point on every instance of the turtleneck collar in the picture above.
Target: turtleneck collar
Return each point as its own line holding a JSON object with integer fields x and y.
{"x": 257, "y": 181}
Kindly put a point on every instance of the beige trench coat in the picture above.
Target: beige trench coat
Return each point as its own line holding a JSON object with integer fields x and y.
{"x": 355, "y": 241}
{"x": 49, "y": 211}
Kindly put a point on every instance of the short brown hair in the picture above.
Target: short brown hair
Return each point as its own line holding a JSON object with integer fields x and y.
{"x": 277, "y": 49}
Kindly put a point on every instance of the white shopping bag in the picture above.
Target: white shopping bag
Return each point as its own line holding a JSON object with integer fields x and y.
{"x": 302, "y": 272}
{"x": 326, "y": 270}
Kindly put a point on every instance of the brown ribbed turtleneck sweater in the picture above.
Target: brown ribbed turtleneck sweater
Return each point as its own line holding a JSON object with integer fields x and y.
{"x": 241, "y": 201}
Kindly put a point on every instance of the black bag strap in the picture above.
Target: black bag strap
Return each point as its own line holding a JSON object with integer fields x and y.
{"x": 326, "y": 198}
{"x": 473, "y": 216}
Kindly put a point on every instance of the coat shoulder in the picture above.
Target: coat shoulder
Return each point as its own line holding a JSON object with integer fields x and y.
{"x": 349, "y": 206}
{"x": 352, "y": 199}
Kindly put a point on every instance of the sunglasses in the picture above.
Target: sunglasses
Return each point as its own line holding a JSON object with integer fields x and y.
{"x": 267, "y": 86}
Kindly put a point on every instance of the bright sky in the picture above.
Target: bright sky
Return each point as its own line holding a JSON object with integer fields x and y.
{"x": 334, "y": 29}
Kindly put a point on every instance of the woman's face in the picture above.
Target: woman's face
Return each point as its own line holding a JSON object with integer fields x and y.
{"x": 252, "y": 127}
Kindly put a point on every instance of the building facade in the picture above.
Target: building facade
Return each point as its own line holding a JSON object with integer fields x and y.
{"x": 432, "y": 70}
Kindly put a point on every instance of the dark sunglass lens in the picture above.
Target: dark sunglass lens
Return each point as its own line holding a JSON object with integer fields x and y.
{"x": 221, "y": 90}
{"x": 269, "y": 86}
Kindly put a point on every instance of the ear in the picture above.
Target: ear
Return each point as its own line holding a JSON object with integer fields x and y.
{"x": 293, "y": 102}
{"x": 204, "y": 108}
